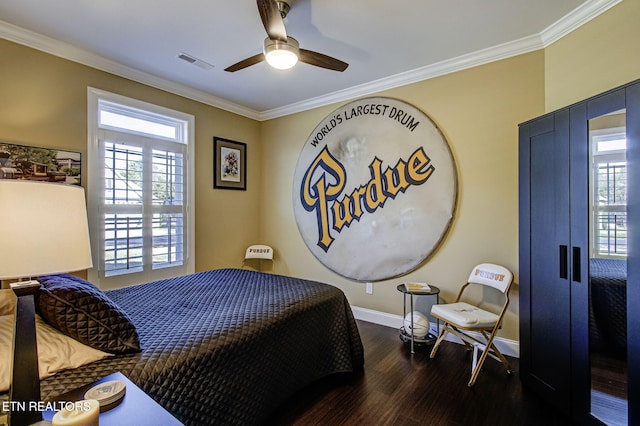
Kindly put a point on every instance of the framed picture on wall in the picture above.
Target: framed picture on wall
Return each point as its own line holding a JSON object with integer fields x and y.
{"x": 42, "y": 164}
{"x": 229, "y": 164}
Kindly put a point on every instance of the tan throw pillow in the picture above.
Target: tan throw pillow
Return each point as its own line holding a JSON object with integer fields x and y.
{"x": 7, "y": 302}
{"x": 56, "y": 351}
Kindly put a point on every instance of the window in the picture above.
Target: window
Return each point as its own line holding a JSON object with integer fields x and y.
{"x": 609, "y": 197}
{"x": 140, "y": 190}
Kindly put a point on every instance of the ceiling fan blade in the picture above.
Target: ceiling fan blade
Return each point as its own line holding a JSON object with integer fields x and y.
{"x": 246, "y": 63}
{"x": 272, "y": 20}
{"x": 321, "y": 60}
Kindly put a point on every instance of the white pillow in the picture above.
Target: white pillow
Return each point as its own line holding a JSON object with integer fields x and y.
{"x": 56, "y": 351}
{"x": 7, "y": 302}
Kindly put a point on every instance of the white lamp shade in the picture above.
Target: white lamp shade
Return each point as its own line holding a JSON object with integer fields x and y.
{"x": 43, "y": 229}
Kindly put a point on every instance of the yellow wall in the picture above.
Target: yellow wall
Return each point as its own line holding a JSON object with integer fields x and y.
{"x": 44, "y": 103}
{"x": 478, "y": 111}
{"x": 596, "y": 57}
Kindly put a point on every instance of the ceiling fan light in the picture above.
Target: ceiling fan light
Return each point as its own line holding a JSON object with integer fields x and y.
{"x": 282, "y": 59}
{"x": 281, "y": 55}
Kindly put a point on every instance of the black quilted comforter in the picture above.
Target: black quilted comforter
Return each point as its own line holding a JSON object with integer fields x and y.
{"x": 228, "y": 346}
{"x": 608, "y": 309}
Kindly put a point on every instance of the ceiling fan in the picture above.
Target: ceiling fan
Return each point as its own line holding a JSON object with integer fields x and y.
{"x": 281, "y": 51}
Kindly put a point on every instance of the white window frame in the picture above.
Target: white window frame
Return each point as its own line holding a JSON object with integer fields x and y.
{"x": 617, "y": 156}
{"x": 184, "y": 134}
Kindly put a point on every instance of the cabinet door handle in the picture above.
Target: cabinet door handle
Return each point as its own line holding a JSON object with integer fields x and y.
{"x": 564, "y": 263}
{"x": 576, "y": 264}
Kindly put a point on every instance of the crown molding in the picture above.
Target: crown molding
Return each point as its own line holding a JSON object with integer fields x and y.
{"x": 481, "y": 57}
{"x": 574, "y": 20}
{"x": 66, "y": 51}
{"x": 565, "y": 25}
{"x": 570, "y": 22}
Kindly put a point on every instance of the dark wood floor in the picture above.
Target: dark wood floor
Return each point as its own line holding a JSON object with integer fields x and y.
{"x": 397, "y": 388}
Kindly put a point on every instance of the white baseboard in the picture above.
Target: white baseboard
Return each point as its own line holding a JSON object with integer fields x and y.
{"x": 506, "y": 346}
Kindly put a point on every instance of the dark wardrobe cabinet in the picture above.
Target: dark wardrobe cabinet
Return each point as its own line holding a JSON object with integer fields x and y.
{"x": 564, "y": 334}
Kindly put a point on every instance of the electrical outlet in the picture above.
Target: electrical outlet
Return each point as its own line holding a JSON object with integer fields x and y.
{"x": 369, "y": 288}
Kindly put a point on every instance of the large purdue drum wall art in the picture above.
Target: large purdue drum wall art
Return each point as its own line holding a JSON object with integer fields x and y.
{"x": 375, "y": 189}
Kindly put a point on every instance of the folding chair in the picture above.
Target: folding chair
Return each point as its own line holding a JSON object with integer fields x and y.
{"x": 475, "y": 326}
{"x": 261, "y": 252}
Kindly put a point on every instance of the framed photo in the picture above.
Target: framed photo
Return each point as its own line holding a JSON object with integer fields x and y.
{"x": 229, "y": 164}
{"x": 43, "y": 164}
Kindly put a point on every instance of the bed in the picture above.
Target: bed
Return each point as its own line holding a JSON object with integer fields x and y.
{"x": 227, "y": 346}
{"x": 608, "y": 307}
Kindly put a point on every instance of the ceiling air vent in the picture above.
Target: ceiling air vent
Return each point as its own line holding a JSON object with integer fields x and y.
{"x": 195, "y": 61}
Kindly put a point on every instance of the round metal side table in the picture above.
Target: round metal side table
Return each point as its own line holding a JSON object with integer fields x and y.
{"x": 429, "y": 338}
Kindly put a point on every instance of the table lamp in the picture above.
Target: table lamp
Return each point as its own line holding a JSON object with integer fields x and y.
{"x": 44, "y": 231}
